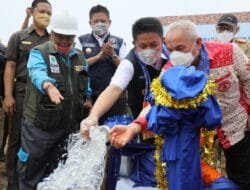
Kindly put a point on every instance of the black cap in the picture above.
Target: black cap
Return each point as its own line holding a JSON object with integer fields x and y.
{"x": 228, "y": 19}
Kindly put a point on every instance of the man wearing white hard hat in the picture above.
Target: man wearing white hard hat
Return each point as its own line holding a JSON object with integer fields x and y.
{"x": 56, "y": 91}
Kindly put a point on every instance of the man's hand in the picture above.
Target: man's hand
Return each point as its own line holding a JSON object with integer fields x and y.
{"x": 53, "y": 93}
{"x": 9, "y": 105}
{"x": 108, "y": 49}
{"x": 85, "y": 125}
{"x": 94, "y": 59}
{"x": 120, "y": 135}
{"x": 28, "y": 12}
{"x": 87, "y": 105}
{"x": 100, "y": 56}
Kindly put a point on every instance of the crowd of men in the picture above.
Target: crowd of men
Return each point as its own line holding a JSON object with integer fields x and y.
{"x": 57, "y": 83}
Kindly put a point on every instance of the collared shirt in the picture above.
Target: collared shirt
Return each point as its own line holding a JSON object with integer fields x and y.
{"x": 100, "y": 39}
{"x": 38, "y": 72}
{"x": 228, "y": 69}
{"x": 19, "y": 46}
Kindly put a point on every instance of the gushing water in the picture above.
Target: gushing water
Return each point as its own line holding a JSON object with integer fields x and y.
{"x": 84, "y": 167}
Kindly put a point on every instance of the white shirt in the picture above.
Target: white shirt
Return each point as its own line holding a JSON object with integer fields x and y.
{"x": 125, "y": 72}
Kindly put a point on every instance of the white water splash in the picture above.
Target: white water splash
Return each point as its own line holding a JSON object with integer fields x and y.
{"x": 84, "y": 167}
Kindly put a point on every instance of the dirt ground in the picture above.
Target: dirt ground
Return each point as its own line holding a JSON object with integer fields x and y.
{"x": 3, "y": 179}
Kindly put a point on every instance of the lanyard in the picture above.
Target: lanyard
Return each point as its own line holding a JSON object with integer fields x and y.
{"x": 204, "y": 62}
{"x": 146, "y": 76}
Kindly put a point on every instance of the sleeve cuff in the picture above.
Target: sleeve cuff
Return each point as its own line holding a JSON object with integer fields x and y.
{"x": 142, "y": 121}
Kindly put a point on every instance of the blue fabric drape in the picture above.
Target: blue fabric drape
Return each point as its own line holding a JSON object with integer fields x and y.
{"x": 181, "y": 127}
{"x": 142, "y": 153}
{"x": 144, "y": 166}
{"x": 222, "y": 183}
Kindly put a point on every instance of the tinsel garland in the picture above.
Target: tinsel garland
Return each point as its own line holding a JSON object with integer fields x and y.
{"x": 160, "y": 171}
{"x": 207, "y": 149}
{"x": 162, "y": 97}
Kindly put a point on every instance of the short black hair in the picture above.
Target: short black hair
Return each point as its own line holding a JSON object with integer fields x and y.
{"x": 145, "y": 25}
{"x": 35, "y": 2}
{"x": 98, "y": 9}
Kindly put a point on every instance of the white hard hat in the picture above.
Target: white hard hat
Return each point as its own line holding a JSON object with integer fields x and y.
{"x": 64, "y": 23}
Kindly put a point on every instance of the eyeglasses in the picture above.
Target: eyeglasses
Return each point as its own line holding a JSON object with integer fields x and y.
{"x": 225, "y": 27}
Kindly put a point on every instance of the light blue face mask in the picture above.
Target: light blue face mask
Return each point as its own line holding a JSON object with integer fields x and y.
{"x": 149, "y": 56}
{"x": 100, "y": 28}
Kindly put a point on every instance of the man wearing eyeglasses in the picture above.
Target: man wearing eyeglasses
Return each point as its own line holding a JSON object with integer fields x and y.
{"x": 15, "y": 77}
{"x": 227, "y": 27}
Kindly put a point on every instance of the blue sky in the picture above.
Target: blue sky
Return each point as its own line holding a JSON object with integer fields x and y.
{"x": 123, "y": 12}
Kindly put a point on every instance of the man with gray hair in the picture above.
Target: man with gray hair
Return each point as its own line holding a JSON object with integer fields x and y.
{"x": 225, "y": 63}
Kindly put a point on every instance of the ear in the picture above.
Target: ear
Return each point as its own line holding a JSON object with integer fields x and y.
{"x": 110, "y": 21}
{"x": 31, "y": 11}
{"x": 90, "y": 23}
{"x": 199, "y": 42}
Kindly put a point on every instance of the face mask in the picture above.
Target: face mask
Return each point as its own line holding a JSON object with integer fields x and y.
{"x": 42, "y": 19}
{"x": 63, "y": 50}
{"x": 100, "y": 28}
{"x": 181, "y": 58}
{"x": 149, "y": 56}
{"x": 225, "y": 36}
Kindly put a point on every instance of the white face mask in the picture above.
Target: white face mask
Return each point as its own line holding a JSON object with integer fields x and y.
{"x": 225, "y": 36}
{"x": 181, "y": 58}
{"x": 100, "y": 28}
{"x": 149, "y": 56}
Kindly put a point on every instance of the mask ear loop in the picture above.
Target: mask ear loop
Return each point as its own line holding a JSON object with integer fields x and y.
{"x": 193, "y": 45}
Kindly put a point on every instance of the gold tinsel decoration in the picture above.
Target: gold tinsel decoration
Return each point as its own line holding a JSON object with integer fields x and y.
{"x": 160, "y": 172}
{"x": 207, "y": 148}
{"x": 163, "y": 98}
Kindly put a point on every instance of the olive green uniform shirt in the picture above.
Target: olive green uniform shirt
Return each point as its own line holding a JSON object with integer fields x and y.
{"x": 19, "y": 45}
{"x": 244, "y": 45}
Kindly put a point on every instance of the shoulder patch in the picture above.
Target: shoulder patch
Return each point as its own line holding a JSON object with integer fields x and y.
{"x": 240, "y": 40}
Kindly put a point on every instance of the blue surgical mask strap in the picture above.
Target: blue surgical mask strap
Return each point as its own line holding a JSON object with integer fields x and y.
{"x": 146, "y": 76}
{"x": 204, "y": 60}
